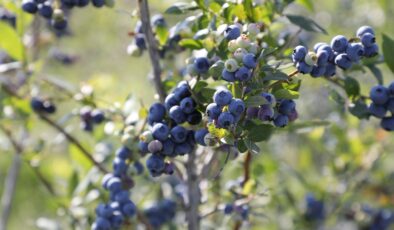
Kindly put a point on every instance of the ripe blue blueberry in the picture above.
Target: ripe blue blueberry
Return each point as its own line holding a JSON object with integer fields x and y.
{"x": 139, "y": 167}
{"x": 59, "y": 24}
{"x": 355, "y": 51}
{"x": 232, "y": 32}
{"x": 228, "y": 76}
{"x": 363, "y": 30}
{"x": 155, "y": 164}
{"x": 252, "y": 112}
{"x": 299, "y": 53}
{"x": 236, "y": 107}
{"x": 155, "y": 146}
{"x": 322, "y": 58}
{"x": 140, "y": 41}
{"x": 105, "y": 179}
{"x": 391, "y": 88}
{"x": 244, "y": 212}
{"x": 249, "y": 60}
{"x": 101, "y": 224}
{"x": 199, "y": 136}
{"x": 330, "y": 70}
{"x": 318, "y": 45}
{"x": 158, "y": 20}
{"x": 183, "y": 148}
{"x": 129, "y": 209}
{"x": 194, "y": 118}
{"x": 243, "y": 74}
{"x": 371, "y": 51}
{"x": 116, "y": 220}
{"x": 318, "y": 71}
{"x": 213, "y": 110}
{"x": 377, "y": 110}
{"x": 387, "y": 123}
{"x": 177, "y": 114}
{"x": 201, "y": 65}
{"x": 222, "y": 97}
{"x": 368, "y": 39}
{"x": 119, "y": 166}
{"x": 97, "y": 116}
{"x": 122, "y": 196}
{"x": 390, "y": 105}
{"x": 157, "y": 112}
{"x": 343, "y": 61}
{"x": 46, "y": 11}
{"x": 379, "y": 94}
{"x": 328, "y": 49}
{"x": 304, "y": 68}
{"x": 37, "y": 104}
{"x": 281, "y": 120}
{"x": 168, "y": 148}
{"x": 225, "y": 120}
{"x": 270, "y": 98}
{"x": 187, "y": 105}
{"x": 265, "y": 113}
{"x": 293, "y": 115}
{"x": 339, "y": 43}
{"x": 114, "y": 184}
{"x": 29, "y": 6}
{"x": 286, "y": 106}
{"x": 182, "y": 90}
{"x": 143, "y": 147}
{"x": 170, "y": 101}
{"x": 160, "y": 131}
{"x": 98, "y": 3}
{"x": 123, "y": 152}
{"x": 178, "y": 134}
{"x": 103, "y": 210}
{"x": 228, "y": 209}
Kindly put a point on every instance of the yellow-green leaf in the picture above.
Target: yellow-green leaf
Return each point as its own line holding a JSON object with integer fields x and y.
{"x": 10, "y": 42}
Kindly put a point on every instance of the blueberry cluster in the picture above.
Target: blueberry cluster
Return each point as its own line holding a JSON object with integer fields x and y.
{"x": 161, "y": 213}
{"x": 89, "y": 117}
{"x": 382, "y": 102}
{"x": 314, "y": 208}
{"x": 42, "y": 106}
{"x": 341, "y": 52}
{"x": 7, "y": 17}
{"x": 167, "y": 137}
{"x": 242, "y": 210}
{"x": 45, "y": 9}
{"x": 381, "y": 219}
{"x": 226, "y": 110}
{"x": 82, "y": 3}
{"x": 281, "y": 112}
{"x": 244, "y": 48}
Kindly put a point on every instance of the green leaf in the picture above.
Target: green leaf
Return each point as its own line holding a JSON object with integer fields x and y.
{"x": 248, "y": 5}
{"x": 254, "y": 101}
{"x": 388, "y": 51}
{"x": 10, "y": 42}
{"x": 180, "y": 8}
{"x": 236, "y": 89}
{"x": 306, "y": 23}
{"x": 199, "y": 86}
{"x": 242, "y": 146}
{"x": 73, "y": 183}
{"x": 215, "y": 7}
{"x": 259, "y": 133}
{"x": 275, "y": 76}
{"x": 162, "y": 34}
{"x": 376, "y": 73}
{"x": 360, "y": 109}
{"x": 252, "y": 147}
{"x": 352, "y": 87}
{"x": 286, "y": 94}
{"x": 191, "y": 44}
{"x": 216, "y": 70}
{"x": 307, "y": 4}
{"x": 79, "y": 158}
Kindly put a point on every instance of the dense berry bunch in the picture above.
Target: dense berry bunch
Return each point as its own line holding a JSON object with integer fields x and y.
{"x": 83, "y": 3}
{"x": 161, "y": 213}
{"x": 42, "y": 106}
{"x": 7, "y": 17}
{"x": 89, "y": 117}
{"x": 281, "y": 112}
{"x": 167, "y": 138}
{"x": 226, "y": 111}
{"x": 383, "y": 102}
{"x": 341, "y": 52}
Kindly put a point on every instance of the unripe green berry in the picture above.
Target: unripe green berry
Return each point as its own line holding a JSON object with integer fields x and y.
{"x": 146, "y": 136}
{"x": 310, "y": 58}
{"x": 232, "y": 45}
{"x": 129, "y": 130}
{"x": 253, "y": 29}
{"x": 253, "y": 48}
{"x": 128, "y": 141}
{"x": 243, "y": 41}
{"x": 231, "y": 65}
{"x": 239, "y": 54}
{"x": 191, "y": 70}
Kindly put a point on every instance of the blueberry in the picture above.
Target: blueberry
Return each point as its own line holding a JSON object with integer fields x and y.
{"x": 158, "y": 20}
{"x": 199, "y": 136}
{"x": 143, "y": 147}
{"x": 155, "y": 146}
{"x": 387, "y": 123}
{"x": 87, "y": 126}
{"x": 194, "y": 118}
{"x": 318, "y": 45}
{"x": 183, "y": 148}
{"x": 171, "y": 100}
{"x": 249, "y": 60}
{"x": 201, "y": 64}
{"x": 243, "y": 74}
{"x": 371, "y": 51}
{"x": 122, "y": 196}
{"x": 330, "y": 70}
{"x": 222, "y": 97}
{"x": 139, "y": 40}
{"x": 129, "y": 209}
{"x": 318, "y": 71}
{"x": 265, "y": 113}
{"x": 105, "y": 179}
{"x": 168, "y": 148}
{"x": 177, "y": 114}
{"x": 379, "y": 94}
{"x": 46, "y": 11}
{"x": 160, "y": 131}
{"x": 286, "y": 106}
{"x": 157, "y": 111}
{"x": 155, "y": 164}
{"x": 97, "y": 116}
{"x": 252, "y": 112}
{"x": 343, "y": 61}
{"x": 339, "y": 43}
{"x": 103, "y": 210}
{"x": 178, "y": 134}
{"x": 29, "y": 6}
{"x": 228, "y": 209}
{"x": 59, "y": 24}
{"x": 232, "y": 32}
{"x": 119, "y": 166}
{"x": 236, "y": 107}
{"x": 225, "y": 120}
{"x": 116, "y": 220}
{"x": 213, "y": 110}
{"x": 390, "y": 105}
{"x": 368, "y": 39}
{"x": 114, "y": 184}
{"x": 293, "y": 115}
{"x": 327, "y": 48}
{"x": 299, "y": 53}
{"x": 98, "y": 3}
{"x": 244, "y": 212}
{"x": 228, "y": 76}
{"x": 37, "y": 104}
{"x": 82, "y": 3}
{"x": 123, "y": 152}
{"x": 304, "y": 68}
{"x": 139, "y": 167}
{"x": 187, "y": 105}
{"x": 322, "y": 58}
{"x": 377, "y": 110}
{"x": 314, "y": 208}
{"x": 363, "y": 30}
{"x": 102, "y": 224}
{"x": 49, "y": 107}
{"x": 182, "y": 90}
{"x": 355, "y": 51}
{"x": 281, "y": 120}
{"x": 270, "y": 98}
{"x": 391, "y": 88}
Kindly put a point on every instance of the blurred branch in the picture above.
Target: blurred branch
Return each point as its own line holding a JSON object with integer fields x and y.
{"x": 73, "y": 141}
{"x": 193, "y": 190}
{"x": 152, "y": 48}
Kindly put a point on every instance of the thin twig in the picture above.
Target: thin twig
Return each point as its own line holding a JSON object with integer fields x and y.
{"x": 280, "y": 81}
{"x": 193, "y": 190}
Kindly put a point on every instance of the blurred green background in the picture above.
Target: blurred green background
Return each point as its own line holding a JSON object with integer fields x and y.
{"x": 318, "y": 159}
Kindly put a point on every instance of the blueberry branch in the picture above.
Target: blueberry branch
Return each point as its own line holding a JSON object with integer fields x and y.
{"x": 152, "y": 48}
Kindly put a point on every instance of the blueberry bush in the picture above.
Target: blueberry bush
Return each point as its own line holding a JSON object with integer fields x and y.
{"x": 252, "y": 124}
